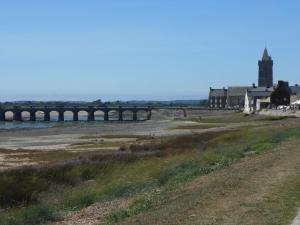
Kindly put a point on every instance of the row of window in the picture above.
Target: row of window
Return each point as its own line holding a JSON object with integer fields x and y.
{"x": 216, "y": 106}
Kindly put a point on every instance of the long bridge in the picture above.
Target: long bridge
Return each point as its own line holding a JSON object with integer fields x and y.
{"x": 17, "y": 112}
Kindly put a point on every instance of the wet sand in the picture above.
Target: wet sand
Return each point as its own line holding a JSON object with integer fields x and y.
{"x": 87, "y": 136}
{"x": 66, "y": 133}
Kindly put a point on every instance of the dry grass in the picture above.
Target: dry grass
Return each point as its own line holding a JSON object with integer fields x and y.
{"x": 234, "y": 117}
{"x": 93, "y": 145}
{"x": 118, "y": 136}
{"x": 198, "y": 126}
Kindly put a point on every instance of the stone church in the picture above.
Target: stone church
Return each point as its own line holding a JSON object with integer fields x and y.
{"x": 234, "y": 96}
{"x": 265, "y": 74}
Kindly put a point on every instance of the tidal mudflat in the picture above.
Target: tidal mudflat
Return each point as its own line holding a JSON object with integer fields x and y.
{"x": 23, "y": 139}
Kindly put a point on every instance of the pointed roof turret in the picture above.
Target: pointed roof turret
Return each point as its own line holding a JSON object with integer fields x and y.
{"x": 266, "y": 56}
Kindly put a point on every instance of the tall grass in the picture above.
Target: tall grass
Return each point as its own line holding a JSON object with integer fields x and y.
{"x": 37, "y": 214}
{"x": 22, "y": 186}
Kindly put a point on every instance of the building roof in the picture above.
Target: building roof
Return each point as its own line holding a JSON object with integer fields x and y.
{"x": 266, "y": 56}
{"x": 260, "y": 91}
{"x": 218, "y": 92}
{"x": 237, "y": 90}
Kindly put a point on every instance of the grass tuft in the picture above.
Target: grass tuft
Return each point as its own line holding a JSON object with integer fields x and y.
{"x": 32, "y": 215}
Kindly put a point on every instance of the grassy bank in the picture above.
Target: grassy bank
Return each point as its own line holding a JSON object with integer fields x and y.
{"x": 236, "y": 117}
{"x": 218, "y": 152}
{"x": 35, "y": 195}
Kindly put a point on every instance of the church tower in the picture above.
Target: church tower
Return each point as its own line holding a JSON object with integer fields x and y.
{"x": 265, "y": 75}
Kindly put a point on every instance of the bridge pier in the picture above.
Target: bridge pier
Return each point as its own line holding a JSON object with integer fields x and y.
{"x": 106, "y": 117}
{"x": 91, "y": 116}
{"x": 32, "y": 116}
{"x": 61, "y": 116}
{"x": 75, "y": 115}
{"x": 149, "y": 114}
{"x": 120, "y": 114}
{"x": 46, "y": 115}
{"x": 17, "y": 115}
{"x": 2, "y": 115}
{"x": 134, "y": 117}
{"x": 184, "y": 113}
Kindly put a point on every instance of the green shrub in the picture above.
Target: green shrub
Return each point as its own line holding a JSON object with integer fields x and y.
{"x": 20, "y": 187}
{"x": 32, "y": 215}
{"x": 183, "y": 172}
{"x": 127, "y": 189}
{"x": 80, "y": 201}
{"x": 286, "y": 134}
{"x": 214, "y": 158}
{"x": 260, "y": 146}
{"x": 135, "y": 208}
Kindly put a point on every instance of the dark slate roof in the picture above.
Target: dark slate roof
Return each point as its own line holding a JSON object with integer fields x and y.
{"x": 237, "y": 91}
{"x": 260, "y": 91}
{"x": 266, "y": 56}
{"x": 218, "y": 92}
{"x": 295, "y": 89}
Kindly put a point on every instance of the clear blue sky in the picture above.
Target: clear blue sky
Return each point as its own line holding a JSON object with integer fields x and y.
{"x": 142, "y": 49}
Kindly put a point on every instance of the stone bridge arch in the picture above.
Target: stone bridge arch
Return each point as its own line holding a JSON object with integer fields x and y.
{"x": 99, "y": 115}
{"x": 69, "y": 115}
{"x": 113, "y": 115}
{"x": 82, "y": 115}
{"x": 9, "y": 115}
{"x": 142, "y": 114}
{"x": 54, "y": 115}
{"x": 40, "y": 115}
{"x": 25, "y": 115}
{"x": 90, "y": 113}
{"x": 127, "y": 114}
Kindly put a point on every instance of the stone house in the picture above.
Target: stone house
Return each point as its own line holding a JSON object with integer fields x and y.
{"x": 257, "y": 96}
{"x": 217, "y": 98}
{"x": 236, "y": 96}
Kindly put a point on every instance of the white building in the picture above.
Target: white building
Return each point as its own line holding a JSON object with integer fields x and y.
{"x": 255, "y": 97}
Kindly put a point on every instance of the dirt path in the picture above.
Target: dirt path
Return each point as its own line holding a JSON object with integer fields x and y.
{"x": 251, "y": 192}
{"x": 296, "y": 221}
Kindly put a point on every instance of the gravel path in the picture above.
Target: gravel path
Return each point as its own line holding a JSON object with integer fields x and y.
{"x": 296, "y": 221}
{"x": 94, "y": 214}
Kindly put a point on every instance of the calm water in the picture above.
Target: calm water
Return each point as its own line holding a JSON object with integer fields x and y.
{"x": 22, "y": 125}
{"x": 39, "y": 123}
{"x": 53, "y": 121}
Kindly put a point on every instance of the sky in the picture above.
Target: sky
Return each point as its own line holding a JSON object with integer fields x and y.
{"x": 142, "y": 49}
